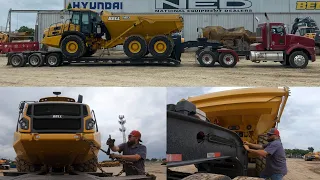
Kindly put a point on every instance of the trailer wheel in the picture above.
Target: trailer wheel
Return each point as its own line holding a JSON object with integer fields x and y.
{"x": 135, "y": 47}
{"x": 53, "y": 59}
{"x": 298, "y": 59}
{"x": 88, "y": 166}
{"x": 227, "y": 60}
{"x": 35, "y": 60}
{"x": 17, "y": 60}
{"x": 73, "y": 47}
{"x": 201, "y": 176}
{"x": 261, "y": 162}
{"x": 160, "y": 47}
{"x": 207, "y": 58}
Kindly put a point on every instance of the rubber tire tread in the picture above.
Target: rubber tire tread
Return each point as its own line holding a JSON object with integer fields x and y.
{"x": 81, "y": 47}
{"x": 291, "y": 59}
{"x": 168, "y": 51}
{"x": 142, "y": 42}
{"x": 260, "y": 161}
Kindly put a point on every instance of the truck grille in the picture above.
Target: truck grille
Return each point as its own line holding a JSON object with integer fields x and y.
{"x": 44, "y": 124}
{"x": 57, "y": 109}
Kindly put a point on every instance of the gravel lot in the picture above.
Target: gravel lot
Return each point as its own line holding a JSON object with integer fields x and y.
{"x": 246, "y": 73}
{"x": 153, "y": 168}
{"x": 298, "y": 169}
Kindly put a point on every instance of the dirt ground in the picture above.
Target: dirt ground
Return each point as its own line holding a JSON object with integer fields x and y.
{"x": 246, "y": 73}
{"x": 152, "y": 168}
{"x": 298, "y": 169}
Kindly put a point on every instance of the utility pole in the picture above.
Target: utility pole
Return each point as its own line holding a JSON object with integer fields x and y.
{"x": 122, "y": 121}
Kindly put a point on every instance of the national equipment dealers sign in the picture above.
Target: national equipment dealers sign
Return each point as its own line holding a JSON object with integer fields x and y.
{"x": 202, "y": 6}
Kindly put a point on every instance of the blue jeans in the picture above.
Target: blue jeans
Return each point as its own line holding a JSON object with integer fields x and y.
{"x": 273, "y": 177}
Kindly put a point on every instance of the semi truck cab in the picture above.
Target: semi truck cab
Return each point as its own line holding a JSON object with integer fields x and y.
{"x": 274, "y": 44}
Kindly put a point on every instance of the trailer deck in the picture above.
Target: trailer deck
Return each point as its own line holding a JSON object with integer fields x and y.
{"x": 77, "y": 176}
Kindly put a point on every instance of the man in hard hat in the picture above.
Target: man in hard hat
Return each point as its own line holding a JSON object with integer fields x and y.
{"x": 276, "y": 166}
{"x": 133, "y": 152}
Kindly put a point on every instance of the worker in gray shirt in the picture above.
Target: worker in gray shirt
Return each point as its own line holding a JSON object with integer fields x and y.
{"x": 276, "y": 166}
{"x": 133, "y": 152}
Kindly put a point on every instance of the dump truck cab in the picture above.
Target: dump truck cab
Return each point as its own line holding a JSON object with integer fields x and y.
{"x": 56, "y": 132}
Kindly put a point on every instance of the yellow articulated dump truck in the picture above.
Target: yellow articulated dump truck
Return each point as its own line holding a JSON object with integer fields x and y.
{"x": 57, "y": 136}
{"x": 89, "y": 31}
{"x": 250, "y": 112}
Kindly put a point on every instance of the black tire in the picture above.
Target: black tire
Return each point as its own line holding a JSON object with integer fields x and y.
{"x": 17, "y": 60}
{"x": 298, "y": 59}
{"x": 260, "y": 161}
{"x": 227, "y": 60}
{"x": 140, "y": 41}
{"x": 35, "y": 60}
{"x": 88, "y": 166}
{"x": 207, "y": 58}
{"x": 53, "y": 59}
{"x": 24, "y": 166}
{"x": 80, "y": 50}
{"x": 168, "y": 48}
{"x": 198, "y": 52}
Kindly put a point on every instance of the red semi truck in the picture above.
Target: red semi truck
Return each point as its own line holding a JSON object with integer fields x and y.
{"x": 274, "y": 44}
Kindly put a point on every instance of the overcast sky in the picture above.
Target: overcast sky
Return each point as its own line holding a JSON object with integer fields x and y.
{"x": 143, "y": 108}
{"x": 22, "y": 19}
{"x": 299, "y": 125}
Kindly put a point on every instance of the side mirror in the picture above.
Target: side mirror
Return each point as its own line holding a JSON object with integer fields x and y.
{"x": 21, "y": 106}
{"x": 80, "y": 98}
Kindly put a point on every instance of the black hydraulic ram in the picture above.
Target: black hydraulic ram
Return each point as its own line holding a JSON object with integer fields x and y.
{"x": 211, "y": 148}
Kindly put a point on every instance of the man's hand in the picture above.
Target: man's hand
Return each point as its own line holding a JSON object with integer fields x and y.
{"x": 246, "y": 147}
{"x": 115, "y": 156}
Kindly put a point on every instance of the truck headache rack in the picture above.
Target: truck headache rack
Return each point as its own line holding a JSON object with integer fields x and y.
{"x": 213, "y": 149}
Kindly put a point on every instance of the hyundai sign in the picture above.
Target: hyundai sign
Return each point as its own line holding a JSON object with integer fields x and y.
{"x": 98, "y": 5}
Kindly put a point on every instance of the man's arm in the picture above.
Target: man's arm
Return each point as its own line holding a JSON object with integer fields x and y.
{"x": 262, "y": 153}
{"x": 115, "y": 148}
{"x": 135, "y": 157}
{"x": 254, "y": 146}
{"x": 141, "y": 154}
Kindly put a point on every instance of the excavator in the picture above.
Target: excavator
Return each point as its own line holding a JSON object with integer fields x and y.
{"x": 307, "y": 27}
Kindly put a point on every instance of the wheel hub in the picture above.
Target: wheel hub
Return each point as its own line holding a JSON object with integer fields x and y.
{"x": 228, "y": 59}
{"x": 160, "y": 47}
{"x": 134, "y": 47}
{"x": 72, "y": 47}
{"x": 299, "y": 60}
{"x": 34, "y": 60}
{"x": 52, "y": 60}
{"x": 15, "y": 60}
{"x": 207, "y": 59}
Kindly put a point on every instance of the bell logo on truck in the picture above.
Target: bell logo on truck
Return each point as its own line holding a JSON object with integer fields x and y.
{"x": 203, "y": 6}
{"x": 308, "y": 5}
{"x": 56, "y": 116}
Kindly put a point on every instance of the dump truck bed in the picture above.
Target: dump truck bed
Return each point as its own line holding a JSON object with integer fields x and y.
{"x": 260, "y": 108}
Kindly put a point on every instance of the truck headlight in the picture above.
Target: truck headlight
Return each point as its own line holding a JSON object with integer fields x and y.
{"x": 90, "y": 124}
{"x": 24, "y": 124}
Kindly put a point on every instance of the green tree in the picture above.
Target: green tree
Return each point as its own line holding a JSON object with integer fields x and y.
{"x": 311, "y": 149}
{"x": 26, "y": 29}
